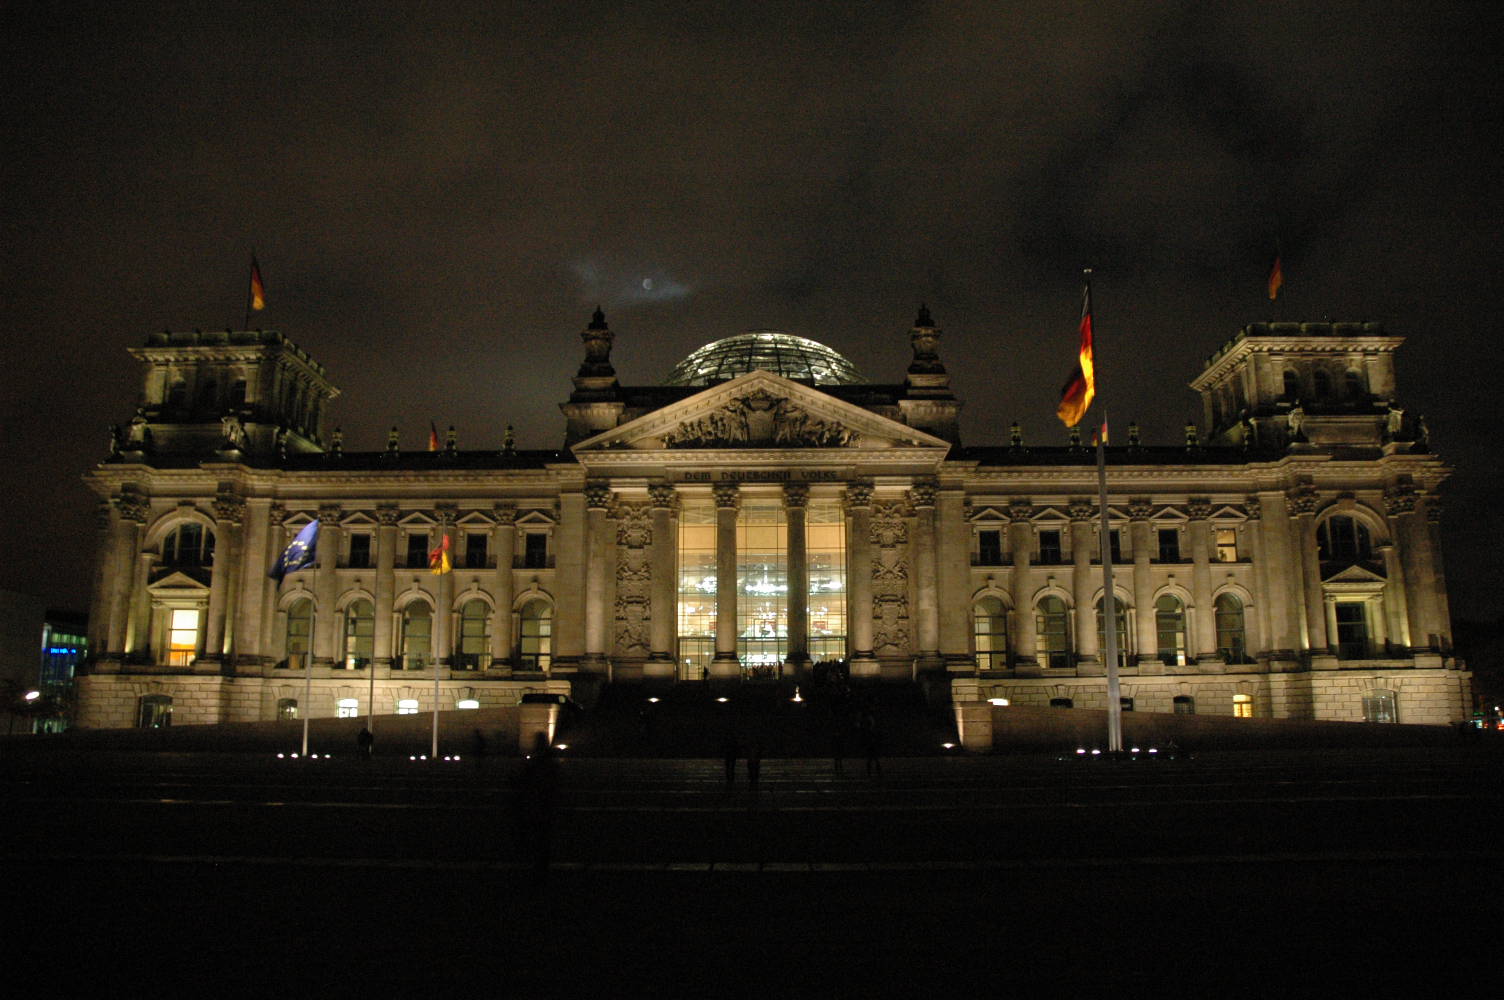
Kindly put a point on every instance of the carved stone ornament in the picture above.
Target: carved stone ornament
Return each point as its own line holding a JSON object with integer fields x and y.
{"x": 1140, "y": 509}
{"x": 1399, "y": 500}
{"x": 634, "y": 527}
{"x": 133, "y": 507}
{"x": 102, "y": 515}
{"x": 387, "y": 514}
{"x": 796, "y": 495}
{"x": 758, "y": 420}
{"x": 923, "y": 492}
{"x": 858, "y": 495}
{"x": 277, "y": 513}
{"x": 1433, "y": 509}
{"x": 1020, "y": 510}
{"x": 890, "y": 629}
{"x": 505, "y": 513}
{"x": 329, "y": 514}
{"x": 446, "y": 514}
{"x": 889, "y": 529}
{"x": 1254, "y": 507}
{"x": 727, "y": 495}
{"x": 662, "y": 495}
{"x": 597, "y": 495}
{"x": 1302, "y": 500}
{"x": 229, "y": 507}
{"x": 1081, "y": 510}
{"x": 1198, "y": 508}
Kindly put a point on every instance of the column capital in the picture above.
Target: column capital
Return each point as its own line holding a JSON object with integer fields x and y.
{"x": 1140, "y": 509}
{"x": 858, "y": 494}
{"x": 133, "y": 507}
{"x": 727, "y": 496}
{"x": 662, "y": 496}
{"x": 1254, "y": 507}
{"x": 102, "y": 515}
{"x": 597, "y": 494}
{"x": 505, "y": 513}
{"x": 329, "y": 515}
{"x": 1433, "y": 509}
{"x": 796, "y": 495}
{"x": 922, "y": 493}
{"x": 276, "y": 513}
{"x": 1081, "y": 510}
{"x": 1400, "y": 500}
{"x": 1020, "y": 510}
{"x": 387, "y": 514}
{"x": 1198, "y": 508}
{"x": 229, "y": 507}
{"x": 1302, "y": 500}
{"x": 446, "y": 513}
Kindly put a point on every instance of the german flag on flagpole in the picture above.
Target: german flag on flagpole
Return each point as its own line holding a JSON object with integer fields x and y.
{"x": 258, "y": 288}
{"x": 438, "y": 559}
{"x": 1276, "y": 277}
{"x": 1081, "y": 387}
{"x": 433, "y": 436}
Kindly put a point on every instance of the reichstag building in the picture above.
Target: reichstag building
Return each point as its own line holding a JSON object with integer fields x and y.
{"x": 767, "y": 507}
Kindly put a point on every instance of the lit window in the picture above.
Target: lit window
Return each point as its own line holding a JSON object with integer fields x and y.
{"x": 1227, "y": 545}
{"x": 535, "y": 642}
{"x": 467, "y": 703}
{"x": 1121, "y": 613}
{"x": 417, "y": 636}
{"x": 299, "y": 633}
{"x": 474, "y": 651}
{"x": 1052, "y": 629}
{"x": 990, "y": 629}
{"x": 1378, "y": 706}
{"x": 1232, "y": 643}
{"x": 182, "y": 636}
{"x": 360, "y": 634}
{"x": 287, "y": 708}
{"x": 155, "y": 711}
{"x": 1169, "y": 624}
{"x": 1242, "y": 706}
{"x": 349, "y": 708}
{"x": 407, "y": 706}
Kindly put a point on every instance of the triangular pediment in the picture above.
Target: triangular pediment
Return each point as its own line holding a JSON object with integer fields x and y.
{"x": 177, "y": 579}
{"x": 761, "y": 410}
{"x": 1355, "y": 574}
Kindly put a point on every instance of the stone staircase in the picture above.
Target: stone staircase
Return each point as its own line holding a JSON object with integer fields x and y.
{"x": 698, "y": 720}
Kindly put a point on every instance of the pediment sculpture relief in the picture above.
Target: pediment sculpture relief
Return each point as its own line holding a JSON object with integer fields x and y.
{"x": 759, "y": 420}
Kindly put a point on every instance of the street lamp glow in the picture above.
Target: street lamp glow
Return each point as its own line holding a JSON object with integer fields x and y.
{"x": 33, "y": 695}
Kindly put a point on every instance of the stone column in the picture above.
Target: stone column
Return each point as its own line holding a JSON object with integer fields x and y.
{"x": 131, "y": 513}
{"x": 250, "y": 643}
{"x": 664, "y": 607}
{"x": 1414, "y": 541}
{"x": 1302, "y": 502}
{"x": 795, "y": 502}
{"x": 597, "y": 540}
{"x": 219, "y": 630}
{"x": 569, "y": 585}
{"x": 1259, "y": 636}
{"x": 325, "y": 586}
{"x": 1396, "y": 614}
{"x": 727, "y": 503}
{"x": 1443, "y": 607}
{"x": 1146, "y": 634}
{"x": 858, "y": 500}
{"x": 1281, "y": 570}
{"x": 954, "y": 544}
{"x": 926, "y": 589}
{"x": 1084, "y": 541}
{"x": 1020, "y": 550}
{"x": 104, "y": 554}
{"x": 504, "y": 546}
{"x": 443, "y": 619}
{"x": 138, "y": 638}
{"x": 386, "y": 585}
{"x": 1200, "y": 531}
{"x": 276, "y": 542}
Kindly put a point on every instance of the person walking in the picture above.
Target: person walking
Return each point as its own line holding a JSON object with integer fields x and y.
{"x": 365, "y": 742}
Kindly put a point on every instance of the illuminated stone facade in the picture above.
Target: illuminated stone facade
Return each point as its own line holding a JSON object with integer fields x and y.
{"x": 1281, "y": 561}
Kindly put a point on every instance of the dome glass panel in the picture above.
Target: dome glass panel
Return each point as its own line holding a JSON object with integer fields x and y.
{"x": 769, "y": 350}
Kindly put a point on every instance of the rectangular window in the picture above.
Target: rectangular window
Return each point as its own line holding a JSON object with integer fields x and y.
{"x": 475, "y": 550}
{"x": 535, "y": 550}
{"x": 989, "y": 548}
{"x": 1115, "y": 545}
{"x": 697, "y": 588}
{"x": 1352, "y": 630}
{"x": 1049, "y": 548}
{"x": 1227, "y": 545}
{"x": 1169, "y": 545}
{"x": 360, "y": 550}
{"x": 182, "y": 636}
{"x": 417, "y": 549}
{"x": 825, "y": 556}
{"x": 1242, "y": 706}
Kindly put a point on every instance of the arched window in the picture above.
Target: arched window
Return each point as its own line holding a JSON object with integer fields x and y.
{"x": 1052, "y": 627}
{"x": 1379, "y": 706}
{"x": 1292, "y": 385}
{"x": 360, "y": 634}
{"x": 189, "y": 544}
{"x": 417, "y": 636}
{"x": 535, "y": 637}
{"x": 1169, "y": 625}
{"x": 1122, "y": 630}
{"x": 475, "y": 637}
{"x": 1354, "y": 385}
{"x": 1321, "y": 383}
{"x": 1343, "y": 539}
{"x": 990, "y": 629}
{"x": 1232, "y": 644}
{"x": 154, "y": 711}
{"x": 299, "y": 633}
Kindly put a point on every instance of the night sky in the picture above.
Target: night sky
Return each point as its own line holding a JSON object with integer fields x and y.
{"x": 439, "y": 194}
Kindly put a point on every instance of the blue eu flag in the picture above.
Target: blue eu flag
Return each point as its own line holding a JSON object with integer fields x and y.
{"x": 299, "y": 553}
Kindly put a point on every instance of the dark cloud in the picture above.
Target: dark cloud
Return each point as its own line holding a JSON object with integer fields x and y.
{"x": 437, "y": 191}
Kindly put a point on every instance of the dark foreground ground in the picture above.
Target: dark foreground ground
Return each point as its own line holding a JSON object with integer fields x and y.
{"x": 1365, "y": 871}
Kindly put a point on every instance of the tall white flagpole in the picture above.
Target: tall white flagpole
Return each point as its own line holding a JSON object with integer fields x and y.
{"x": 1109, "y": 604}
{"x": 435, "y": 751}
{"x": 307, "y": 698}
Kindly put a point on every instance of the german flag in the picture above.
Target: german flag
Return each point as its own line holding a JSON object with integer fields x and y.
{"x": 1077, "y": 393}
{"x": 433, "y": 437}
{"x": 258, "y": 288}
{"x": 1276, "y": 278}
{"x": 438, "y": 559}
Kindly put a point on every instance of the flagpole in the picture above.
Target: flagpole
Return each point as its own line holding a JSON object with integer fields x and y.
{"x": 250, "y": 279}
{"x": 1109, "y": 606}
{"x": 307, "y": 698}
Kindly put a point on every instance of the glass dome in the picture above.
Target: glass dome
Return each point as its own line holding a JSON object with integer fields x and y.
{"x": 770, "y": 350}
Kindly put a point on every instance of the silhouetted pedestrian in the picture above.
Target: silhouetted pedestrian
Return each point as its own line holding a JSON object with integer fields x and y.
{"x": 365, "y": 742}
{"x": 730, "y": 750}
{"x": 871, "y": 742}
{"x": 478, "y": 749}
